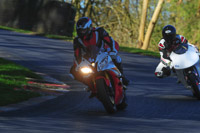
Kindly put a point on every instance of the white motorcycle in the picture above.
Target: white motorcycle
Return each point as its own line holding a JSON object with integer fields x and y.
{"x": 185, "y": 62}
{"x": 99, "y": 71}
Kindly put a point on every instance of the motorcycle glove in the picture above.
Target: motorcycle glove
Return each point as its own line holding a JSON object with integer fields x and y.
{"x": 112, "y": 53}
{"x": 166, "y": 71}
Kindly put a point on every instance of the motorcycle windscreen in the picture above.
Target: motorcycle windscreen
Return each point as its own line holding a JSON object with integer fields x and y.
{"x": 185, "y": 60}
{"x": 104, "y": 62}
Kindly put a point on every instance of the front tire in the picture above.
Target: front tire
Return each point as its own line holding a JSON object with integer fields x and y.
{"x": 195, "y": 85}
{"x": 104, "y": 95}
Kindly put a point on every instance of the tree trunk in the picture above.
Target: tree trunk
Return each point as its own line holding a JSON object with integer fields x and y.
{"x": 86, "y": 6}
{"x": 142, "y": 24}
{"x": 180, "y": 1}
{"x": 152, "y": 24}
{"x": 198, "y": 12}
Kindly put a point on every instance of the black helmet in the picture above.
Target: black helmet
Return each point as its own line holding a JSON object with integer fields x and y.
{"x": 84, "y": 26}
{"x": 169, "y": 34}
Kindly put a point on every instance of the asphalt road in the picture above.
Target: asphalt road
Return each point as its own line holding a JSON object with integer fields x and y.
{"x": 154, "y": 105}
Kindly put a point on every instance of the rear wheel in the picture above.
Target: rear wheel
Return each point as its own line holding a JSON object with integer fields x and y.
{"x": 106, "y": 96}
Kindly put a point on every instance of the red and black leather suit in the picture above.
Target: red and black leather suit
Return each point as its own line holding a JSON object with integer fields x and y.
{"x": 98, "y": 37}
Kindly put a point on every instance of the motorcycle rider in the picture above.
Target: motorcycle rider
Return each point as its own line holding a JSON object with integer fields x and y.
{"x": 87, "y": 36}
{"x": 167, "y": 44}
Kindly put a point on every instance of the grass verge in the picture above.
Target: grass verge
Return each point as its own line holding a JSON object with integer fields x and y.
{"x": 13, "y": 79}
{"x": 139, "y": 51}
{"x": 39, "y": 34}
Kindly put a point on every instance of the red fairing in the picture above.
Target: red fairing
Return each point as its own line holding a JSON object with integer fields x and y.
{"x": 118, "y": 88}
{"x": 117, "y": 85}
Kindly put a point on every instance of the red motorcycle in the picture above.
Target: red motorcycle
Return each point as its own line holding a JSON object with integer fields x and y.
{"x": 103, "y": 78}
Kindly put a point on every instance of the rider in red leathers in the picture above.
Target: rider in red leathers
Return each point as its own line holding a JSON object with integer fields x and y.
{"x": 167, "y": 44}
{"x": 87, "y": 36}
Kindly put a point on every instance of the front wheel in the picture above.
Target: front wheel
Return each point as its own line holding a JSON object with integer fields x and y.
{"x": 194, "y": 81}
{"x": 105, "y": 95}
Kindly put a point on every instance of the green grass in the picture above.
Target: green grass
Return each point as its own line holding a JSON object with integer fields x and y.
{"x": 13, "y": 29}
{"x": 13, "y": 77}
{"x": 59, "y": 37}
{"x": 140, "y": 51}
{"x": 39, "y": 34}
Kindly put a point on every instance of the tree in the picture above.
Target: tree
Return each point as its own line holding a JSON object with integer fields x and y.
{"x": 198, "y": 12}
{"x": 142, "y": 23}
{"x": 152, "y": 24}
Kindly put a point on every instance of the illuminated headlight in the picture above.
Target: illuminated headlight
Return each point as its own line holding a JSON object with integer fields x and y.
{"x": 86, "y": 70}
{"x": 93, "y": 64}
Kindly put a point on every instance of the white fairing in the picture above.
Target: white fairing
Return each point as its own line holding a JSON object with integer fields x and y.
{"x": 104, "y": 62}
{"x": 186, "y": 60}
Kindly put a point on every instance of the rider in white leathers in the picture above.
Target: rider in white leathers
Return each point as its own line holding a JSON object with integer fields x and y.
{"x": 167, "y": 44}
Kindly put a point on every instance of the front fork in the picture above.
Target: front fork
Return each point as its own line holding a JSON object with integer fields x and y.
{"x": 115, "y": 85}
{"x": 183, "y": 74}
{"x": 100, "y": 75}
{"x": 197, "y": 69}
{"x": 193, "y": 70}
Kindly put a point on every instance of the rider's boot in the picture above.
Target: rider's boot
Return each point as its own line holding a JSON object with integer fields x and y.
{"x": 178, "y": 81}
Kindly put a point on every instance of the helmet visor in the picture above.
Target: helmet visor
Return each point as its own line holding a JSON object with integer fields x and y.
{"x": 82, "y": 32}
{"x": 170, "y": 38}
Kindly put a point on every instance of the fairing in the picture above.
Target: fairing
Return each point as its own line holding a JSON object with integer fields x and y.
{"x": 186, "y": 59}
